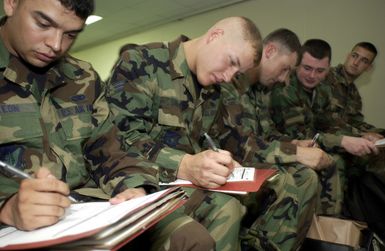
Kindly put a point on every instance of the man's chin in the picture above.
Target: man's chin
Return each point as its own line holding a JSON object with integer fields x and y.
{"x": 39, "y": 63}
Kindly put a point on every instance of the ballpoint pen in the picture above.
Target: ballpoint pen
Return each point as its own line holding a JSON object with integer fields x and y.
{"x": 211, "y": 143}
{"x": 314, "y": 140}
{"x": 22, "y": 174}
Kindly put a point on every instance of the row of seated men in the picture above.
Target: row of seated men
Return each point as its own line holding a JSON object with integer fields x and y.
{"x": 74, "y": 133}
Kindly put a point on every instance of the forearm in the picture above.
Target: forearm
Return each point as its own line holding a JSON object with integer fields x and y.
{"x": 168, "y": 159}
{"x": 280, "y": 152}
{"x": 330, "y": 142}
{"x": 113, "y": 169}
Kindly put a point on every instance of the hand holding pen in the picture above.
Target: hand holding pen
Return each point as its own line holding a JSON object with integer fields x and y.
{"x": 39, "y": 201}
{"x": 21, "y": 174}
{"x": 209, "y": 168}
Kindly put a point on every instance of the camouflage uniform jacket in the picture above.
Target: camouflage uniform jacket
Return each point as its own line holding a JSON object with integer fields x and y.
{"x": 262, "y": 142}
{"x": 347, "y": 103}
{"x": 58, "y": 118}
{"x": 163, "y": 110}
{"x": 158, "y": 104}
{"x": 301, "y": 113}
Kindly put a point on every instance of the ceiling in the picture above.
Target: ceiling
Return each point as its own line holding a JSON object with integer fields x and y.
{"x": 125, "y": 17}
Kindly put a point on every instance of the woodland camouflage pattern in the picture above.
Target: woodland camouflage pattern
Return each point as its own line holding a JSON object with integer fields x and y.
{"x": 51, "y": 118}
{"x": 163, "y": 112}
{"x": 297, "y": 113}
{"x": 159, "y": 110}
{"x": 301, "y": 114}
{"x": 267, "y": 145}
{"x": 346, "y": 103}
{"x": 58, "y": 118}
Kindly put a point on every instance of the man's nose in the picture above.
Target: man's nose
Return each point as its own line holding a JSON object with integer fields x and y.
{"x": 356, "y": 61}
{"x": 54, "y": 41}
{"x": 312, "y": 73}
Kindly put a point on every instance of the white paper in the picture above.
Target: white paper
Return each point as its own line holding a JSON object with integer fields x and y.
{"x": 239, "y": 174}
{"x": 79, "y": 218}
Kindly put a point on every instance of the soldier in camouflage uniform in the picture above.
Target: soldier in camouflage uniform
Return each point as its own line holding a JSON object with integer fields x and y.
{"x": 280, "y": 53}
{"x": 163, "y": 99}
{"x": 346, "y": 112}
{"x": 298, "y": 110}
{"x": 292, "y": 108}
{"x": 346, "y": 100}
{"x": 55, "y": 124}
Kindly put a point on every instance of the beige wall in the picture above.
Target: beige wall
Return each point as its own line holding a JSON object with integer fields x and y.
{"x": 341, "y": 22}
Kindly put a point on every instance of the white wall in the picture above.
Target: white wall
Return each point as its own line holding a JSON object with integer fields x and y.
{"x": 341, "y": 22}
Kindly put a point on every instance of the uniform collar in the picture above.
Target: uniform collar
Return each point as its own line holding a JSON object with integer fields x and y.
{"x": 178, "y": 64}
{"x": 53, "y": 76}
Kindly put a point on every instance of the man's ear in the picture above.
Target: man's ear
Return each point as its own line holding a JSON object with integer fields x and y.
{"x": 269, "y": 50}
{"x": 10, "y": 7}
{"x": 214, "y": 34}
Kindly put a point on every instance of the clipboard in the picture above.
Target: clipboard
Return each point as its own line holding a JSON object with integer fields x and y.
{"x": 120, "y": 233}
{"x": 112, "y": 236}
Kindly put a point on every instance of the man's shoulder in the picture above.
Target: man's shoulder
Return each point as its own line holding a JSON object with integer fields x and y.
{"x": 76, "y": 69}
{"x": 335, "y": 76}
{"x": 145, "y": 50}
{"x": 283, "y": 90}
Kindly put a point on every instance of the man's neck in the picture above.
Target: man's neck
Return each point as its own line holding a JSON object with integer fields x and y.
{"x": 189, "y": 48}
{"x": 4, "y": 37}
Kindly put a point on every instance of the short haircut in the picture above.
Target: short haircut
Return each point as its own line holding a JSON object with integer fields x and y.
{"x": 286, "y": 38}
{"x": 82, "y": 8}
{"x": 317, "y": 48}
{"x": 368, "y": 46}
{"x": 252, "y": 35}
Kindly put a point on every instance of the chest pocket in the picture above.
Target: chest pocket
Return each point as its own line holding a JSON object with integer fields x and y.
{"x": 19, "y": 122}
{"x": 76, "y": 121}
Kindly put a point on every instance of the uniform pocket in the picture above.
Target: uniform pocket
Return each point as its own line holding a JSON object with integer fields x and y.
{"x": 77, "y": 122}
{"x": 19, "y": 126}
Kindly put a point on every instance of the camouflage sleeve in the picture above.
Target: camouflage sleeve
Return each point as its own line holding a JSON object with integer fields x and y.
{"x": 132, "y": 95}
{"x": 266, "y": 125}
{"x": 356, "y": 118}
{"x": 343, "y": 113}
{"x": 288, "y": 114}
{"x": 241, "y": 127}
{"x": 112, "y": 168}
{"x": 330, "y": 142}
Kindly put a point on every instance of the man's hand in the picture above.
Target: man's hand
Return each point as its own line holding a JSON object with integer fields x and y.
{"x": 314, "y": 158}
{"x": 358, "y": 146}
{"x": 372, "y": 136}
{"x": 207, "y": 169}
{"x": 39, "y": 202}
{"x": 304, "y": 143}
{"x": 128, "y": 194}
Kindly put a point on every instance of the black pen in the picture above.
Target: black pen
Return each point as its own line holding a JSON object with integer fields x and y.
{"x": 211, "y": 143}
{"x": 22, "y": 174}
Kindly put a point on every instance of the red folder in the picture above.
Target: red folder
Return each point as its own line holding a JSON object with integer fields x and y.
{"x": 240, "y": 187}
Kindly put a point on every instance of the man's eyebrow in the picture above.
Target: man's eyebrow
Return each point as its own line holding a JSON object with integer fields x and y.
{"x": 362, "y": 56}
{"x": 52, "y": 22}
{"x": 45, "y": 17}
